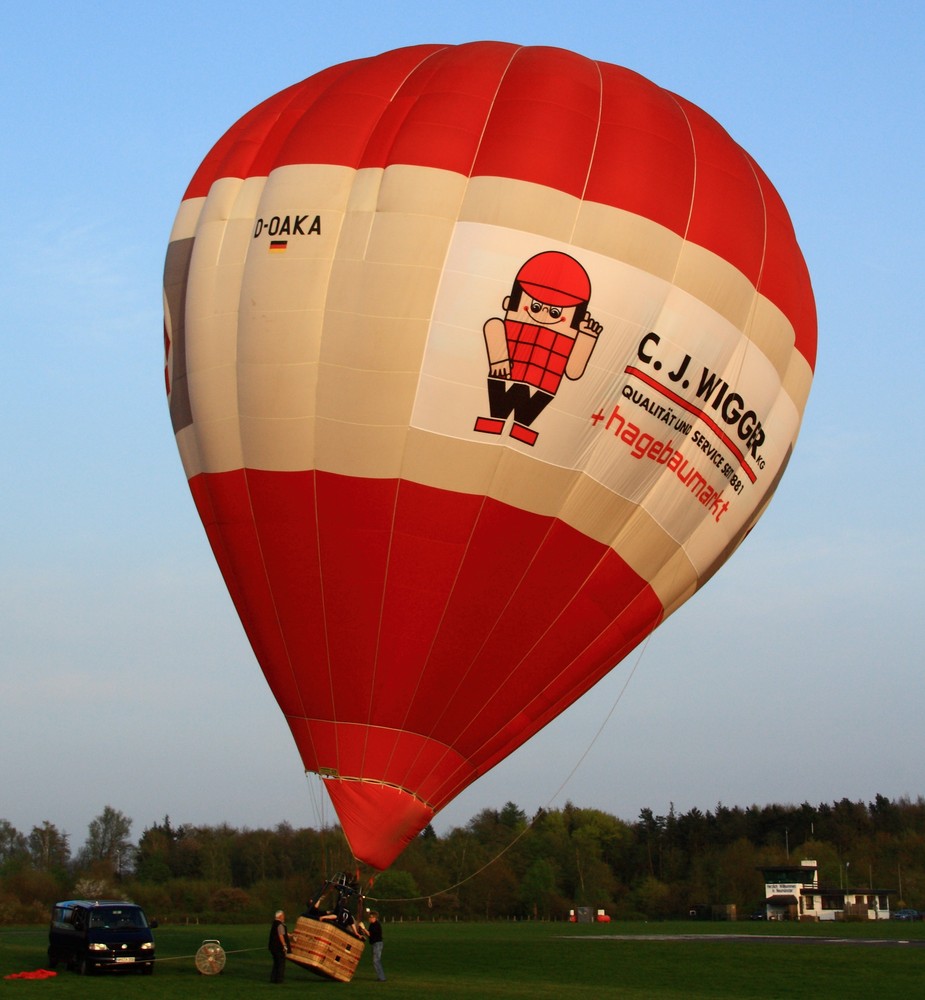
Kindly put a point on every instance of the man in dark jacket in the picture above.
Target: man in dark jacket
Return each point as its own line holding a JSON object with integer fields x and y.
{"x": 375, "y": 939}
{"x": 279, "y": 946}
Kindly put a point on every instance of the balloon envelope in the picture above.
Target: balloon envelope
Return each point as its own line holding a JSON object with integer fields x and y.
{"x": 481, "y": 360}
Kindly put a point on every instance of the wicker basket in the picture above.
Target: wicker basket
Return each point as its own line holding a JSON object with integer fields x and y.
{"x": 326, "y": 950}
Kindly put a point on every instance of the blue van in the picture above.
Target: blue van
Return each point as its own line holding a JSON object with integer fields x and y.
{"x": 89, "y": 935}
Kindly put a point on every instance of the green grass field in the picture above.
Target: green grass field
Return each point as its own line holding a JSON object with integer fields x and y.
{"x": 450, "y": 961}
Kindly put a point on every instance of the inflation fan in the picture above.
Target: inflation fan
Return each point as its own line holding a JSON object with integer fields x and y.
{"x": 210, "y": 959}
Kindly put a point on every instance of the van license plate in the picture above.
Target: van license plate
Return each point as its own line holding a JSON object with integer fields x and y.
{"x": 124, "y": 958}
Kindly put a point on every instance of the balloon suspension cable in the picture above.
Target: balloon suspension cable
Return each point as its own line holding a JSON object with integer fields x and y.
{"x": 317, "y": 797}
{"x": 317, "y": 800}
{"x": 552, "y": 798}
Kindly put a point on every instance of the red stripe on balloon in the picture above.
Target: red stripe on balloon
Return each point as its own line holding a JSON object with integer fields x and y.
{"x": 415, "y": 636}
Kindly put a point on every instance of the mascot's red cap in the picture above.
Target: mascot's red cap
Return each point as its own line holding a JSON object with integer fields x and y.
{"x": 555, "y": 279}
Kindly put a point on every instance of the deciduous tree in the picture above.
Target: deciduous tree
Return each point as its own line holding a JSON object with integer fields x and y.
{"x": 49, "y": 848}
{"x": 108, "y": 843}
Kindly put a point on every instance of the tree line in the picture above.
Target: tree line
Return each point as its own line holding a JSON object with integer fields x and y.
{"x": 501, "y": 865}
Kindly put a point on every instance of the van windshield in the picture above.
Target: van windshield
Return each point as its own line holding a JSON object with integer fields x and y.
{"x": 115, "y": 917}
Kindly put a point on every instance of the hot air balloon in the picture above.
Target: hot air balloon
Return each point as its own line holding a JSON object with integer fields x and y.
{"x": 481, "y": 359}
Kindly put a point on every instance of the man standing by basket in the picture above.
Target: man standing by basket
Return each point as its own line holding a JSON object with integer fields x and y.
{"x": 375, "y": 939}
{"x": 279, "y": 945}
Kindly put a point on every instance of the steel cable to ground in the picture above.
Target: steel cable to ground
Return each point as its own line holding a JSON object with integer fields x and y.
{"x": 180, "y": 958}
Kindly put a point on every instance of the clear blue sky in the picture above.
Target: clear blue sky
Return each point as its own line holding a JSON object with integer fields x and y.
{"x": 125, "y": 678}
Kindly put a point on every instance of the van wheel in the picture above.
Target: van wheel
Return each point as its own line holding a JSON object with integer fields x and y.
{"x": 84, "y": 966}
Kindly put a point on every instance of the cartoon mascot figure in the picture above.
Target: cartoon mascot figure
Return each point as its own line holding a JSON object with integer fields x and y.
{"x": 547, "y": 332}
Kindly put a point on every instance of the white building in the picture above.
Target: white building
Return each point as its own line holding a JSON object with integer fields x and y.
{"x": 793, "y": 892}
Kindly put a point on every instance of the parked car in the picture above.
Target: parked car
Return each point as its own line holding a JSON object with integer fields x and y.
{"x": 101, "y": 934}
{"x": 905, "y": 914}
